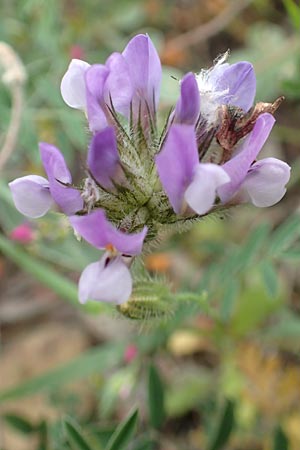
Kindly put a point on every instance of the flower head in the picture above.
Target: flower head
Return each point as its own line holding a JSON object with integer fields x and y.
{"x": 139, "y": 179}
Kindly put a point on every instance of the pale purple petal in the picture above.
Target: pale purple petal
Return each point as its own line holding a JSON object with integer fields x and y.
{"x": 187, "y": 109}
{"x": 238, "y": 166}
{"x": 73, "y": 85}
{"x": 118, "y": 85}
{"x": 103, "y": 158}
{"x": 201, "y": 193}
{"x": 67, "y": 198}
{"x": 107, "y": 280}
{"x": 145, "y": 68}
{"x": 95, "y": 78}
{"x": 240, "y": 83}
{"x": 265, "y": 182}
{"x": 99, "y": 232}
{"x": 176, "y": 163}
{"x": 31, "y": 195}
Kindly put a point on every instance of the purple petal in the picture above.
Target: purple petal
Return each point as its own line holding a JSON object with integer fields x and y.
{"x": 238, "y": 166}
{"x": 145, "y": 68}
{"x": 201, "y": 193}
{"x": 99, "y": 232}
{"x": 188, "y": 106}
{"x": 176, "y": 163}
{"x": 67, "y": 198}
{"x": 240, "y": 82}
{"x": 31, "y": 195}
{"x": 107, "y": 280}
{"x": 103, "y": 158}
{"x": 95, "y": 78}
{"x": 265, "y": 182}
{"x": 118, "y": 85}
{"x": 73, "y": 85}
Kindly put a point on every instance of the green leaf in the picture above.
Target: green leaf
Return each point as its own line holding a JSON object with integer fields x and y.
{"x": 123, "y": 433}
{"x": 44, "y": 273}
{"x": 280, "y": 440}
{"x": 224, "y": 427}
{"x": 293, "y": 11}
{"x": 229, "y": 297}
{"x": 19, "y": 423}
{"x": 292, "y": 254}
{"x": 75, "y": 436}
{"x": 92, "y": 361}
{"x": 270, "y": 278}
{"x": 253, "y": 246}
{"x": 156, "y": 400}
{"x": 285, "y": 235}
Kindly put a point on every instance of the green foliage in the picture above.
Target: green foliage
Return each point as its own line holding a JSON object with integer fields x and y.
{"x": 75, "y": 436}
{"x": 293, "y": 10}
{"x": 280, "y": 440}
{"x": 156, "y": 398}
{"x": 224, "y": 428}
{"x": 123, "y": 433}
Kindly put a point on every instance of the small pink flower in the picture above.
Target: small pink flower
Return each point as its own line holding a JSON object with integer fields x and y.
{"x": 22, "y": 233}
{"x": 130, "y": 353}
{"x": 77, "y": 52}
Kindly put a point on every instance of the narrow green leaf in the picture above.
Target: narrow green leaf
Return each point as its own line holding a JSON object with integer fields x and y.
{"x": 270, "y": 278}
{"x": 280, "y": 440}
{"x": 293, "y": 11}
{"x": 253, "y": 245}
{"x": 285, "y": 235}
{"x": 75, "y": 436}
{"x": 292, "y": 254}
{"x": 229, "y": 297}
{"x": 45, "y": 274}
{"x": 156, "y": 400}
{"x": 19, "y": 423}
{"x": 224, "y": 427}
{"x": 123, "y": 433}
{"x": 92, "y": 361}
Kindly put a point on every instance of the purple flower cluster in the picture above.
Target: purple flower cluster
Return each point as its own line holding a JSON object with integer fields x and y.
{"x": 141, "y": 180}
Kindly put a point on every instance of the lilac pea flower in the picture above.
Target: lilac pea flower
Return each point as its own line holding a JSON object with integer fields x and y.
{"x": 184, "y": 179}
{"x": 92, "y": 88}
{"x": 188, "y": 105}
{"x": 107, "y": 86}
{"x": 238, "y": 166}
{"x": 73, "y": 85}
{"x": 265, "y": 182}
{"x": 31, "y": 195}
{"x": 109, "y": 279}
{"x": 145, "y": 72}
{"x": 226, "y": 84}
{"x": 34, "y": 195}
{"x": 103, "y": 158}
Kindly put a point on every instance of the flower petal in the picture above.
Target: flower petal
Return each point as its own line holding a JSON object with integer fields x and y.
{"x": 99, "y": 232}
{"x": 103, "y": 158}
{"x": 118, "y": 85}
{"x": 238, "y": 166}
{"x": 145, "y": 68}
{"x": 187, "y": 109}
{"x": 95, "y": 78}
{"x": 31, "y": 195}
{"x": 107, "y": 280}
{"x": 67, "y": 198}
{"x": 73, "y": 85}
{"x": 240, "y": 82}
{"x": 176, "y": 163}
{"x": 266, "y": 181}
{"x": 201, "y": 193}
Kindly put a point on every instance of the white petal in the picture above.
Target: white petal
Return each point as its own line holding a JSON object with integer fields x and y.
{"x": 107, "y": 280}
{"x": 31, "y": 195}
{"x": 265, "y": 182}
{"x": 201, "y": 193}
{"x": 73, "y": 85}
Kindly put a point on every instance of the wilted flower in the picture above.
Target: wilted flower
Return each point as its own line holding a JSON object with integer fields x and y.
{"x": 140, "y": 180}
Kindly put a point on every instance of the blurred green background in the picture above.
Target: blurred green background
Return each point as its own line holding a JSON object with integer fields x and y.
{"x": 221, "y": 371}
